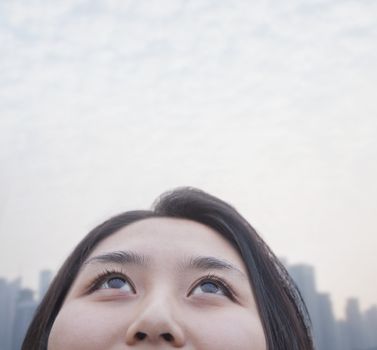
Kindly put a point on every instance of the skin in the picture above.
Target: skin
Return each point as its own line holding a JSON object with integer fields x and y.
{"x": 168, "y": 303}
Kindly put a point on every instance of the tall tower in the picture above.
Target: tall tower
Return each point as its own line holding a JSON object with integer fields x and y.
{"x": 354, "y": 324}
{"x": 45, "y": 277}
{"x": 370, "y": 324}
{"x": 328, "y": 330}
{"x": 26, "y": 306}
{"x": 304, "y": 277}
{"x": 343, "y": 336}
{"x": 8, "y": 298}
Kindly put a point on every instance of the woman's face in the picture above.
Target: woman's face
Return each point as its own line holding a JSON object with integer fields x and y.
{"x": 160, "y": 283}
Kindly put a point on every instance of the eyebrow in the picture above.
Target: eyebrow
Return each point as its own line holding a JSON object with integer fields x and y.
{"x": 121, "y": 257}
{"x": 211, "y": 263}
{"x": 203, "y": 263}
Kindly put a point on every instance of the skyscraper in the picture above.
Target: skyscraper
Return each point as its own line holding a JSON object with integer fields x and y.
{"x": 370, "y": 326}
{"x": 25, "y": 309}
{"x": 8, "y": 299}
{"x": 354, "y": 324}
{"x": 343, "y": 336}
{"x": 327, "y": 325}
{"x": 45, "y": 277}
{"x": 304, "y": 277}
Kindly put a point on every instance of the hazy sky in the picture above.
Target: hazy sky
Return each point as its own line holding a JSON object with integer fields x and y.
{"x": 270, "y": 105}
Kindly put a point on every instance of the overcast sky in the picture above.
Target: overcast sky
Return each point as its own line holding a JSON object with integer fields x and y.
{"x": 270, "y": 105}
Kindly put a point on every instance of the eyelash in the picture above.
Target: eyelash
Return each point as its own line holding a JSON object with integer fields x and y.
{"x": 211, "y": 277}
{"x": 107, "y": 274}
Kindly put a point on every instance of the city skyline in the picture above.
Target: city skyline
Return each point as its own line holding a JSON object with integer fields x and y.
{"x": 48, "y": 274}
{"x": 355, "y": 332}
{"x": 340, "y": 313}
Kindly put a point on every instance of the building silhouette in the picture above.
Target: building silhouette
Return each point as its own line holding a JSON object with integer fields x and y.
{"x": 9, "y": 292}
{"x": 370, "y": 325}
{"x": 17, "y": 307}
{"x": 343, "y": 337}
{"x": 304, "y": 277}
{"x": 327, "y": 328}
{"x": 45, "y": 277}
{"x": 357, "y": 332}
{"x": 25, "y": 308}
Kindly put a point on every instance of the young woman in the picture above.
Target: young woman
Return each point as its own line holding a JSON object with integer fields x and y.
{"x": 191, "y": 273}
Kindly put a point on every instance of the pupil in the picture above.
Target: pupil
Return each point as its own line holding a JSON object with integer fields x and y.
{"x": 209, "y": 287}
{"x": 116, "y": 283}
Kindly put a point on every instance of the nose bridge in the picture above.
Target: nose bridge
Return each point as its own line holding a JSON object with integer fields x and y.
{"x": 156, "y": 320}
{"x": 157, "y": 307}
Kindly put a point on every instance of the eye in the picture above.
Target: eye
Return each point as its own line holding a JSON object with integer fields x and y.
{"x": 212, "y": 285}
{"x": 117, "y": 283}
{"x": 112, "y": 280}
{"x": 208, "y": 287}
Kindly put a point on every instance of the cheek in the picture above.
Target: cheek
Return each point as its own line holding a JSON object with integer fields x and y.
{"x": 81, "y": 327}
{"x": 229, "y": 329}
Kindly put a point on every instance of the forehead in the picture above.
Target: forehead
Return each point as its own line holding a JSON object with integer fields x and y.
{"x": 169, "y": 238}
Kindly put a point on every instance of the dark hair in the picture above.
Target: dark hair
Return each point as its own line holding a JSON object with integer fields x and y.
{"x": 282, "y": 311}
